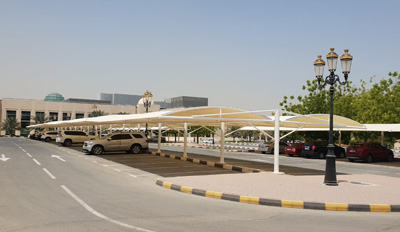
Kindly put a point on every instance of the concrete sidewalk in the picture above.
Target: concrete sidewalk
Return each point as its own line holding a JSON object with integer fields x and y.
{"x": 370, "y": 193}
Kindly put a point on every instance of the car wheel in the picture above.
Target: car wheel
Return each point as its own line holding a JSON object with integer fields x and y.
{"x": 341, "y": 155}
{"x": 369, "y": 159}
{"x": 263, "y": 152}
{"x": 47, "y": 139}
{"x": 390, "y": 158}
{"x": 67, "y": 143}
{"x": 321, "y": 155}
{"x": 291, "y": 155}
{"x": 135, "y": 149}
{"x": 97, "y": 150}
{"x": 351, "y": 160}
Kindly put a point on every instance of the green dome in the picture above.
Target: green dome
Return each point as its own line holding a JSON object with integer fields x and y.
{"x": 54, "y": 97}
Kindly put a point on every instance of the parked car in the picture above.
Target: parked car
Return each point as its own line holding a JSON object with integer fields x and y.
{"x": 368, "y": 152}
{"x": 268, "y": 147}
{"x": 129, "y": 142}
{"x": 320, "y": 149}
{"x": 155, "y": 140}
{"x": 67, "y": 137}
{"x": 294, "y": 149}
{"x": 49, "y": 135}
{"x": 35, "y": 135}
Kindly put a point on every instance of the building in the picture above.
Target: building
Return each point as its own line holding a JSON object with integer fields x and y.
{"x": 25, "y": 110}
{"x": 185, "y": 102}
{"x": 120, "y": 99}
{"x": 175, "y": 102}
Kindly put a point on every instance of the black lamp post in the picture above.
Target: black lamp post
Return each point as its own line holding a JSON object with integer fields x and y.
{"x": 147, "y": 99}
{"x": 332, "y": 79}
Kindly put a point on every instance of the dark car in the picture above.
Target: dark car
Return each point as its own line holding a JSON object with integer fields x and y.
{"x": 368, "y": 152}
{"x": 320, "y": 149}
{"x": 155, "y": 140}
{"x": 294, "y": 149}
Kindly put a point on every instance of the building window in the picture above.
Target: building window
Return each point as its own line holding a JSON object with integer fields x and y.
{"x": 11, "y": 114}
{"x": 79, "y": 116}
{"x": 25, "y": 116}
{"x": 66, "y": 116}
{"x": 39, "y": 114}
{"x": 25, "y": 119}
{"x": 53, "y": 116}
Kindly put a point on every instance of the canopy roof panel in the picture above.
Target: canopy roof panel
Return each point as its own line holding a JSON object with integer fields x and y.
{"x": 208, "y": 116}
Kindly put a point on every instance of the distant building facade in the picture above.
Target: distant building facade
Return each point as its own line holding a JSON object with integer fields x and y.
{"x": 185, "y": 102}
{"x": 175, "y": 102}
{"x": 120, "y": 99}
{"x": 24, "y": 110}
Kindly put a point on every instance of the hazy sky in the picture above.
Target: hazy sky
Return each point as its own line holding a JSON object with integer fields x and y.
{"x": 246, "y": 54}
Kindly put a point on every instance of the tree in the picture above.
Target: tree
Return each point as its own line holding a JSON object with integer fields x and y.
{"x": 96, "y": 113}
{"x": 377, "y": 104}
{"x": 40, "y": 119}
{"x": 10, "y": 125}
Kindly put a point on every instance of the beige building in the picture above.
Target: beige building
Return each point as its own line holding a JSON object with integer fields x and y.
{"x": 24, "y": 110}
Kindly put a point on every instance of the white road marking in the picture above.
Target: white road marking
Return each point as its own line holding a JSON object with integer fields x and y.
{"x": 117, "y": 170}
{"x": 133, "y": 175}
{"x": 23, "y": 150}
{"x": 48, "y": 173}
{"x": 94, "y": 161}
{"x": 105, "y": 165}
{"x": 94, "y": 212}
{"x": 58, "y": 157}
{"x": 28, "y": 155}
{"x": 37, "y": 162}
{"x": 3, "y": 158}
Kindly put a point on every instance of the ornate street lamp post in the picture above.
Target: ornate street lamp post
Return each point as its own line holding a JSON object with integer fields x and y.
{"x": 147, "y": 99}
{"x": 332, "y": 79}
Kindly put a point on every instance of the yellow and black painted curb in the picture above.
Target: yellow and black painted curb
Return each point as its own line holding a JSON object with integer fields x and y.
{"x": 209, "y": 163}
{"x": 380, "y": 208}
{"x": 210, "y": 147}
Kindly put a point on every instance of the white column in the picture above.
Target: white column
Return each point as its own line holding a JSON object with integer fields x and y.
{"x": 96, "y": 132}
{"x": 276, "y": 145}
{"x": 159, "y": 138}
{"x": 138, "y": 127}
{"x": 185, "y": 134}
{"x": 222, "y": 142}
{"x": 100, "y": 131}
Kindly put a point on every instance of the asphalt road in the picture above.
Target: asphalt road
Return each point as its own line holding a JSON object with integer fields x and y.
{"x": 45, "y": 187}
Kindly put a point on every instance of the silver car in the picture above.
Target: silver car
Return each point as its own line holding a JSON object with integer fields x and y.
{"x": 129, "y": 142}
{"x": 268, "y": 147}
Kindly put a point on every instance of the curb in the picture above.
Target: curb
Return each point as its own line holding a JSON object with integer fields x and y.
{"x": 209, "y": 163}
{"x": 379, "y": 208}
{"x": 211, "y": 147}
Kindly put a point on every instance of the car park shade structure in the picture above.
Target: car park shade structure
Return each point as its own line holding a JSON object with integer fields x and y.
{"x": 222, "y": 117}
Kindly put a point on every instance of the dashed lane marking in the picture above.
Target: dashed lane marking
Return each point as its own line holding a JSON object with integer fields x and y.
{"x": 48, "y": 173}
{"x": 37, "y": 162}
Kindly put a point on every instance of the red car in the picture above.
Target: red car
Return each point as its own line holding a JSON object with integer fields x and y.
{"x": 294, "y": 149}
{"x": 368, "y": 152}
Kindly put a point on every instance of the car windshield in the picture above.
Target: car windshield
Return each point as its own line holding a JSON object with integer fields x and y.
{"x": 355, "y": 145}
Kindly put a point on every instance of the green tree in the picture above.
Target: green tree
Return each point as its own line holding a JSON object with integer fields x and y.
{"x": 40, "y": 119}
{"x": 96, "y": 113}
{"x": 379, "y": 103}
{"x": 10, "y": 125}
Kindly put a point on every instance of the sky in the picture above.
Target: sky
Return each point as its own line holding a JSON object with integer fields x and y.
{"x": 245, "y": 54}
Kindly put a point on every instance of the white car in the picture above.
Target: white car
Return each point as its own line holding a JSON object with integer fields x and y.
{"x": 49, "y": 135}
